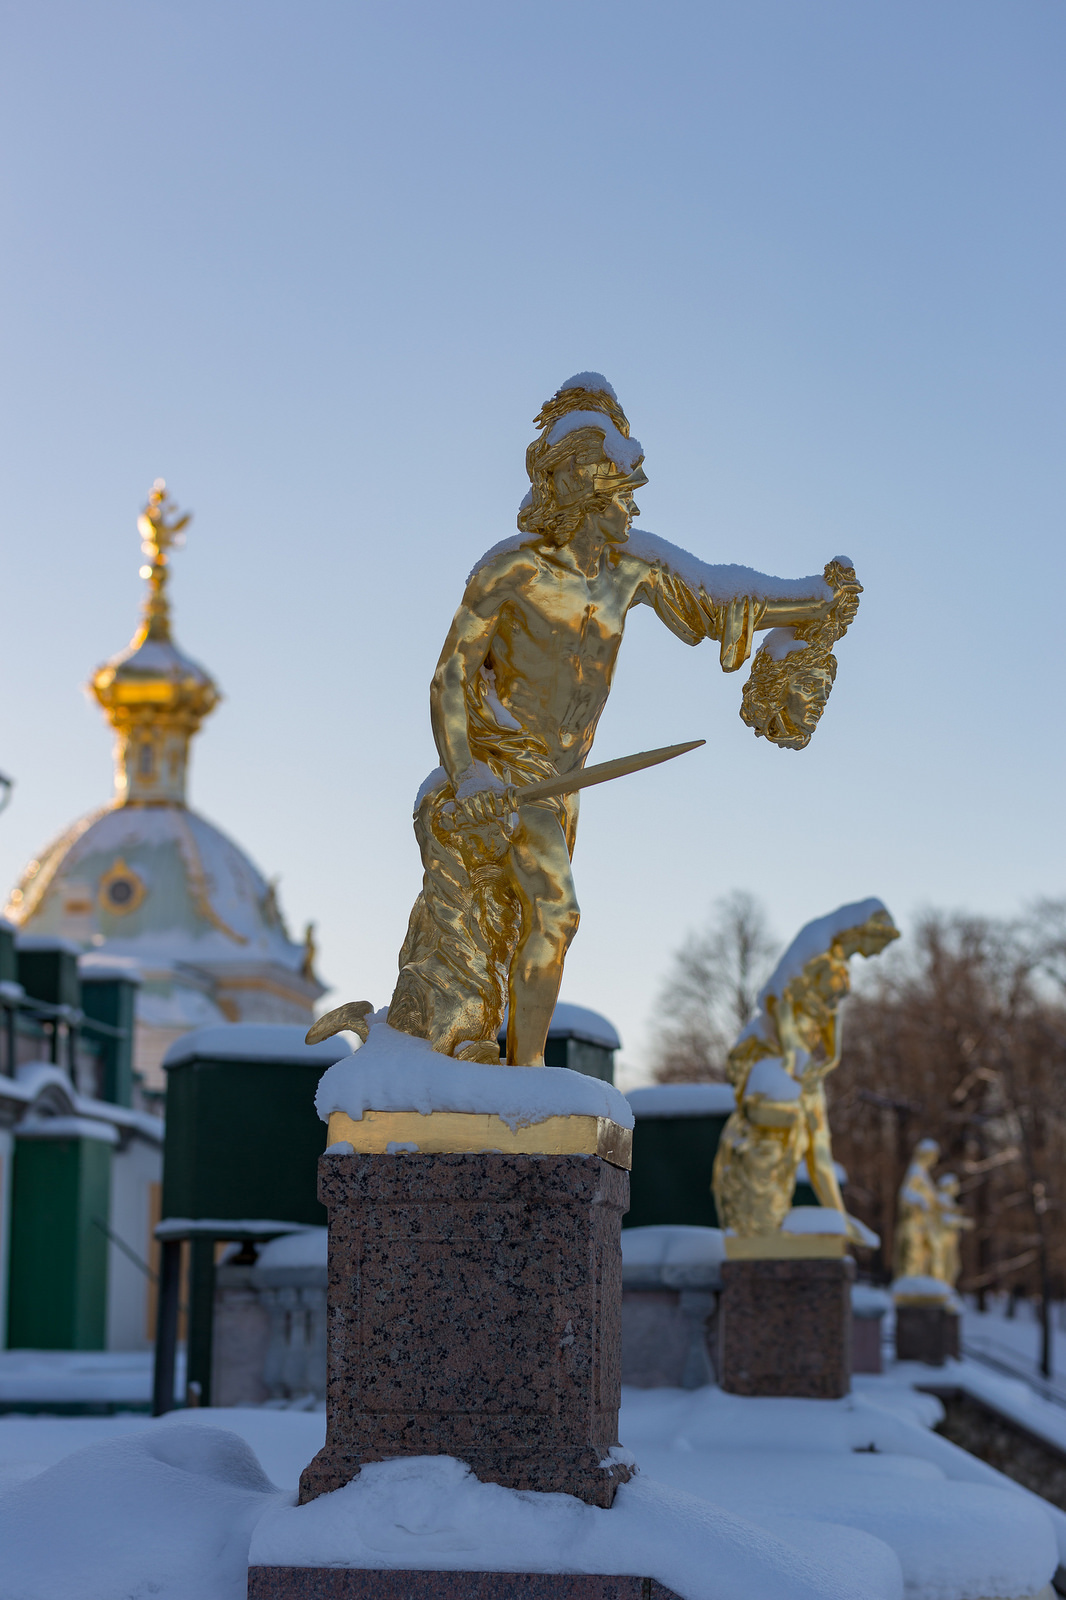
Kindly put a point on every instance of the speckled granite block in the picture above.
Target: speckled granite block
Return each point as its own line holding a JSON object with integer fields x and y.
{"x": 474, "y": 1311}
{"x": 926, "y": 1333}
{"x": 784, "y": 1328}
{"x": 349, "y": 1583}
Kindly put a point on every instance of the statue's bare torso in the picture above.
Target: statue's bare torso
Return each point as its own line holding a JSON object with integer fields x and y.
{"x": 550, "y": 633}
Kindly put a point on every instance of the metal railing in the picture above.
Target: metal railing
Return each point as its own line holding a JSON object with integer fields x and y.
{"x": 61, "y": 1025}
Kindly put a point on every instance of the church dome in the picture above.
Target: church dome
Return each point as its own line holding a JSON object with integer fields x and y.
{"x": 158, "y": 883}
{"x": 146, "y": 878}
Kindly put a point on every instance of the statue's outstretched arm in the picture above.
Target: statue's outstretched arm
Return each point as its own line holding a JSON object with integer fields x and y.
{"x": 697, "y": 600}
{"x": 792, "y": 613}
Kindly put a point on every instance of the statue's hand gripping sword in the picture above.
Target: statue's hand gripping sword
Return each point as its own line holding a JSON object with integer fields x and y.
{"x": 580, "y": 778}
{"x": 354, "y": 1013}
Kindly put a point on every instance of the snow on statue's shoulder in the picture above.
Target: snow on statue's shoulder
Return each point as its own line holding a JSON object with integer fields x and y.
{"x": 395, "y": 1072}
{"x": 720, "y": 581}
{"x": 723, "y": 581}
{"x": 812, "y": 940}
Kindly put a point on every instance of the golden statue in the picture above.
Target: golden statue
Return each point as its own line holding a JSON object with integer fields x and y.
{"x": 929, "y": 1220}
{"x": 778, "y": 1068}
{"x": 161, "y": 529}
{"x": 518, "y": 691}
{"x": 949, "y": 1220}
{"x": 916, "y": 1213}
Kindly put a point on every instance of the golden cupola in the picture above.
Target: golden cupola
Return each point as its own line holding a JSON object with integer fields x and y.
{"x": 154, "y": 696}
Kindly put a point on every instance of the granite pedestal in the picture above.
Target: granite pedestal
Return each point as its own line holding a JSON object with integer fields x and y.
{"x": 349, "y": 1583}
{"x": 784, "y": 1328}
{"x": 474, "y": 1311}
{"x": 927, "y": 1333}
{"x": 666, "y": 1338}
{"x": 866, "y": 1344}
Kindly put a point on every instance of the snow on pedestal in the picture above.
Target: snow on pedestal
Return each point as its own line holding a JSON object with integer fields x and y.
{"x": 431, "y": 1514}
{"x": 927, "y": 1320}
{"x": 815, "y": 1220}
{"x": 827, "y": 1220}
{"x": 672, "y": 1256}
{"x": 921, "y": 1290}
{"x": 395, "y": 1072}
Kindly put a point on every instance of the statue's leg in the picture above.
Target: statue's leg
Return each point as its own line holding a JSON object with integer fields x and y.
{"x": 455, "y": 956}
{"x": 540, "y": 873}
{"x": 820, "y": 1151}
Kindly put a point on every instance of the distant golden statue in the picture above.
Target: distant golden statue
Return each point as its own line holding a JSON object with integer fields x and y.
{"x": 518, "y": 691}
{"x": 778, "y": 1068}
{"x": 929, "y": 1220}
{"x": 916, "y": 1214}
{"x": 949, "y": 1223}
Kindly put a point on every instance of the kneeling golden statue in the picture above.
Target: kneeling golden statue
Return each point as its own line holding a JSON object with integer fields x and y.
{"x": 778, "y": 1068}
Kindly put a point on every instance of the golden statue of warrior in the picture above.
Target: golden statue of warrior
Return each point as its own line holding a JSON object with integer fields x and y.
{"x": 778, "y": 1068}
{"x": 521, "y": 683}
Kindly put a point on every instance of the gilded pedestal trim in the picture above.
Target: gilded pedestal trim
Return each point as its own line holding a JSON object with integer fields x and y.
{"x": 456, "y": 1132}
{"x": 786, "y": 1247}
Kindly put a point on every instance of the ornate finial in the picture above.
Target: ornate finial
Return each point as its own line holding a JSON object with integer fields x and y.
{"x": 158, "y": 536}
{"x": 154, "y": 697}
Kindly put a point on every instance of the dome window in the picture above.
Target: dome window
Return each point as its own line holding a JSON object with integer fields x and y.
{"x": 121, "y": 890}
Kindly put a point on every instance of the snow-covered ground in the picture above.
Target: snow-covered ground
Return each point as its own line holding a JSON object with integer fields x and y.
{"x": 1014, "y": 1342}
{"x": 854, "y": 1499}
{"x": 80, "y": 1377}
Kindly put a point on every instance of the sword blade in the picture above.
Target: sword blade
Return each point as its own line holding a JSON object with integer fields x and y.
{"x": 603, "y": 772}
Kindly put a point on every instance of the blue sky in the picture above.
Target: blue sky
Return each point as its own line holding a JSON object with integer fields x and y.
{"x": 319, "y": 265}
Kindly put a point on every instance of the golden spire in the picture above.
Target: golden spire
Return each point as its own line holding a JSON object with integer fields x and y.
{"x": 154, "y": 697}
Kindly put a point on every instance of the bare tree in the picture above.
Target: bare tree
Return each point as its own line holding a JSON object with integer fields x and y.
{"x": 1045, "y": 930}
{"x": 711, "y": 990}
